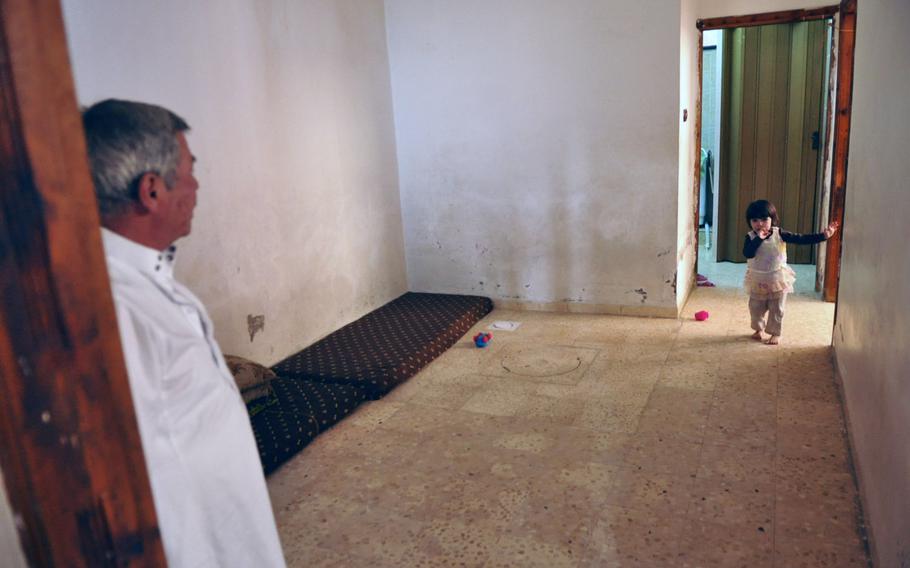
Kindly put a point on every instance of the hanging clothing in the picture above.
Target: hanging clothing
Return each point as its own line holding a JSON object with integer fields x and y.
{"x": 709, "y": 188}
{"x": 207, "y": 481}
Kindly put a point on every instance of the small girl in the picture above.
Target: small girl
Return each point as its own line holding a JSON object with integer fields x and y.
{"x": 768, "y": 277}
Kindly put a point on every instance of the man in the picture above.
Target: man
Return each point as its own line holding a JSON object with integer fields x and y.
{"x": 207, "y": 481}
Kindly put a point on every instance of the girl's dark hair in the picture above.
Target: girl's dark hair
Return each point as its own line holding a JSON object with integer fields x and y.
{"x": 761, "y": 209}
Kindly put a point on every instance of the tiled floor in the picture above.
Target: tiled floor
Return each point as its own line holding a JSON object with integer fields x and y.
{"x": 581, "y": 440}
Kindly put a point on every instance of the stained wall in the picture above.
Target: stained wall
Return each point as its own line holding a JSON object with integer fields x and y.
{"x": 538, "y": 149}
{"x": 289, "y": 101}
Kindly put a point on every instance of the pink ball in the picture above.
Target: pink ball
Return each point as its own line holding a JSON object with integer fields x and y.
{"x": 701, "y": 316}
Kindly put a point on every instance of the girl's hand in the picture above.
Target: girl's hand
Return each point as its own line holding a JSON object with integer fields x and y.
{"x": 763, "y": 234}
{"x": 831, "y": 229}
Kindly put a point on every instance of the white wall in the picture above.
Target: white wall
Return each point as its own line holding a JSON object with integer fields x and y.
{"x": 689, "y": 153}
{"x": 290, "y": 106}
{"x": 872, "y": 333}
{"x": 538, "y": 148}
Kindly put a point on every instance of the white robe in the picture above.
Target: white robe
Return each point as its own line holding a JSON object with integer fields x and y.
{"x": 207, "y": 482}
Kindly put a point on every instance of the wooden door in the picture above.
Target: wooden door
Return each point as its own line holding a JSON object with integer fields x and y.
{"x": 70, "y": 451}
{"x": 773, "y": 79}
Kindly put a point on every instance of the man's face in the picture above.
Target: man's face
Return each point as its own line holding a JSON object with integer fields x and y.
{"x": 179, "y": 201}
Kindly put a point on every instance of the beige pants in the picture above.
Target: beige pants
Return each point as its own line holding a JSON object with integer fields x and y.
{"x": 775, "y": 310}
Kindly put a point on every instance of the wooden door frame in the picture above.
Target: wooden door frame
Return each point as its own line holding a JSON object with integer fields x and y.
{"x": 70, "y": 450}
{"x": 846, "y": 12}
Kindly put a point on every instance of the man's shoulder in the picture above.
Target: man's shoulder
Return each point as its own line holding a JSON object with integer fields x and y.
{"x": 136, "y": 294}
{"x": 148, "y": 304}
{"x": 126, "y": 281}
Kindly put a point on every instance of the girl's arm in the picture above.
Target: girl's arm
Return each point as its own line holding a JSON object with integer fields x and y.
{"x": 808, "y": 239}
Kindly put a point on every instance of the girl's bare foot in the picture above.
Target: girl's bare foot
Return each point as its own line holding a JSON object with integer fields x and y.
{"x": 774, "y": 340}
{"x": 756, "y": 336}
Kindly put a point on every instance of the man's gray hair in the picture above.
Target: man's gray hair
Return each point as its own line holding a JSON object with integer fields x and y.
{"x": 125, "y": 141}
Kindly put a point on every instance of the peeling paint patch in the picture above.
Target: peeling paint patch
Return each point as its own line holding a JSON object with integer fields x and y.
{"x": 664, "y": 253}
{"x": 643, "y": 293}
{"x": 255, "y": 324}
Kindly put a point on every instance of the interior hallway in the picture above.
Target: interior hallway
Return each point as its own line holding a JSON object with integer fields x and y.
{"x": 583, "y": 440}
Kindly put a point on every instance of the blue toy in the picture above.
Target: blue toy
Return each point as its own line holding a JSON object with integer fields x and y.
{"x": 482, "y": 339}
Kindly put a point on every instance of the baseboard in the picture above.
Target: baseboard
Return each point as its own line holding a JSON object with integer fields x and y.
{"x": 583, "y": 308}
{"x": 865, "y": 527}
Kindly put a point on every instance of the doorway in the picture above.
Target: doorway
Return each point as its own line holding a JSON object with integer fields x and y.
{"x": 765, "y": 116}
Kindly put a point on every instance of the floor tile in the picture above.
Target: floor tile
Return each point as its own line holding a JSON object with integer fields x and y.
{"x": 709, "y": 544}
{"x": 737, "y": 461}
{"x": 628, "y": 537}
{"x": 651, "y": 492}
{"x": 746, "y": 503}
{"x": 545, "y": 363}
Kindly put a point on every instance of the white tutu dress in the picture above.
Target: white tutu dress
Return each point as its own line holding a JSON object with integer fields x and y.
{"x": 767, "y": 274}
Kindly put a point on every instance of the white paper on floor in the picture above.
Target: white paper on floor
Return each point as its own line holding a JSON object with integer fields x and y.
{"x": 505, "y": 325}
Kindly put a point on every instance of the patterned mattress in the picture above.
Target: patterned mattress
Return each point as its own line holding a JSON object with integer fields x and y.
{"x": 296, "y": 412}
{"x": 389, "y": 345}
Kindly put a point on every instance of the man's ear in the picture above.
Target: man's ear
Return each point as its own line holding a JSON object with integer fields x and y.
{"x": 148, "y": 191}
